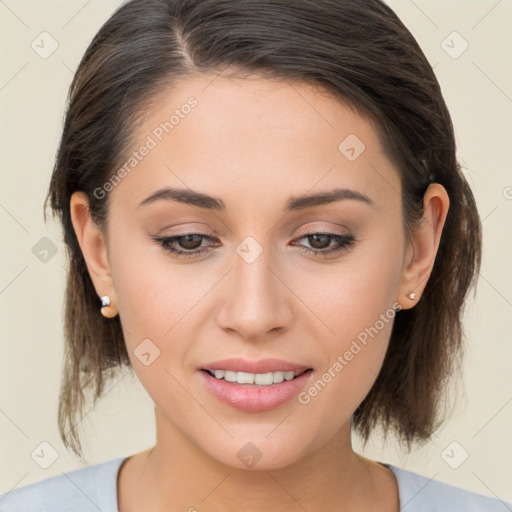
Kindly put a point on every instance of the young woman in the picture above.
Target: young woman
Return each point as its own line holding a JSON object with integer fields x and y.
{"x": 267, "y": 222}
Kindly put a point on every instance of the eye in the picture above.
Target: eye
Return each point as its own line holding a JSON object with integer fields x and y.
{"x": 321, "y": 242}
{"x": 189, "y": 245}
{"x": 189, "y": 242}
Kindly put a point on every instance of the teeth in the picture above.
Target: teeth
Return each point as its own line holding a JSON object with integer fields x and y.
{"x": 243, "y": 378}
{"x": 262, "y": 379}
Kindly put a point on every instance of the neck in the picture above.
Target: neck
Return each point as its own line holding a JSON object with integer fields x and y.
{"x": 178, "y": 475}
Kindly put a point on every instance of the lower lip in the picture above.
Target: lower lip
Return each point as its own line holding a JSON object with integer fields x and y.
{"x": 254, "y": 398}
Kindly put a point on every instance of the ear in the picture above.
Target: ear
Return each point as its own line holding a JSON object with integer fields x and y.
{"x": 93, "y": 245}
{"x": 422, "y": 249}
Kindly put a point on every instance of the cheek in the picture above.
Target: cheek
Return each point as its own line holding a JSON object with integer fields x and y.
{"x": 160, "y": 310}
{"x": 358, "y": 305}
{"x": 151, "y": 291}
{"x": 352, "y": 295}
{"x": 352, "y": 358}
{"x": 153, "y": 308}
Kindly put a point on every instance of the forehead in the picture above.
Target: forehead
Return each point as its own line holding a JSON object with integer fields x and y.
{"x": 256, "y": 136}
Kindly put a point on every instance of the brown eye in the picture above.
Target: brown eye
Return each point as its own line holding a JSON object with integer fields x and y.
{"x": 320, "y": 242}
{"x": 187, "y": 246}
{"x": 189, "y": 242}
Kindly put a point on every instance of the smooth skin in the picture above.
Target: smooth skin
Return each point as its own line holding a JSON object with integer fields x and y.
{"x": 254, "y": 143}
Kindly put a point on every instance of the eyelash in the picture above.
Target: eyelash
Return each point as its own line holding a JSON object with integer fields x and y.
{"x": 346, "y": 242}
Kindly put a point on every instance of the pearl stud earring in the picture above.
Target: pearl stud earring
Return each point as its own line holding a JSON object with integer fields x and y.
{"x": 412, "y": 296}
{"x": 107, "y": 310}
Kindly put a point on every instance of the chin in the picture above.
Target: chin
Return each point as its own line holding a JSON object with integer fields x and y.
{"x": 256, "y": 453}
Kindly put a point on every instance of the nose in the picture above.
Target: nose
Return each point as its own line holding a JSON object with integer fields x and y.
{"x": 256, "y": 301}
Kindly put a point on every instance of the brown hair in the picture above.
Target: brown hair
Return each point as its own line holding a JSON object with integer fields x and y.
{"x": 358, "y": 51}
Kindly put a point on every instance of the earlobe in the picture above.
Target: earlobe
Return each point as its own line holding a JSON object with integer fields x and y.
{"x": 424, "y": 245}
{"x": 92, "y": 244}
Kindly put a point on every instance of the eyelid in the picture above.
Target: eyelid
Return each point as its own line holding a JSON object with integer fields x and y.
{"x": 326, "y": 230}
{"x": 213, "y": 234}
{"x": 200, "y": 230}
{"x": 215, "y": 237}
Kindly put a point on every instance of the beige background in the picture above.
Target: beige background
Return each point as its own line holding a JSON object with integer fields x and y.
{"x": 478, "y": 89}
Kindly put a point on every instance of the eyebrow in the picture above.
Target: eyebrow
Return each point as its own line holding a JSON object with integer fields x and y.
{"x": 296, "y": 203}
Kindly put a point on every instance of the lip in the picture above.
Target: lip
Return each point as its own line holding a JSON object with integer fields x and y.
{"x": 263, "y": 366}
{"x": 253, "y": 397}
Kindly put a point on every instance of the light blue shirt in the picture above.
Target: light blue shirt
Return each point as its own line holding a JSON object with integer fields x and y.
{"x": 94, "y": 489}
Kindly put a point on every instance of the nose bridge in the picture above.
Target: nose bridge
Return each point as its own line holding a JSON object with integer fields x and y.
{"x": 256, "y": 303}
{"x": 251, "y": 270}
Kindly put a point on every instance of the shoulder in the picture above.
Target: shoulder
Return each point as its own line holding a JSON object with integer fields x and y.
{"x": 91, "y": 488}
{"x": 419, "y": 493}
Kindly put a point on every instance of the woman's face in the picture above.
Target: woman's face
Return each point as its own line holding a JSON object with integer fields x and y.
{"x": 258, "y": 149}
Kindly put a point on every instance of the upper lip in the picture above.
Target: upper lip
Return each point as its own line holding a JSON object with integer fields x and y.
{"x": 262, "y": 366}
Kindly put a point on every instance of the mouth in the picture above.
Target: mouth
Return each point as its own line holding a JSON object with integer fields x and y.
{"x": 255, "y": 379}
{"x": 255, "y": 392}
